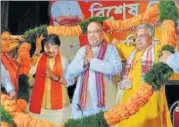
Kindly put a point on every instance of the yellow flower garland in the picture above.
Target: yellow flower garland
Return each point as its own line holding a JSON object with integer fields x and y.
{"x": 65, "y": 30}
{"x": 169, "y": 35}
{"x": 149, "y": 16}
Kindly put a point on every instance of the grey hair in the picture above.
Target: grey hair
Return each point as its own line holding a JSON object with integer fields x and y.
{"x": 148, "y": 26}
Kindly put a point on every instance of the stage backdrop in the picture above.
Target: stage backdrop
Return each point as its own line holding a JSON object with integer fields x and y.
{"x": 113, "y": 9}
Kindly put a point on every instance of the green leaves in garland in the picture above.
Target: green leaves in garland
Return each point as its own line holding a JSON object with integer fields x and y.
{"x": 84, "y": 24}
{"x": 31, "y": 34}
{"x": 158, "y": 75}
{"x": 89, "y": 121}
{"x": 167, "y": 48}
{"x": 6, "y": 117}
{"x": 168, "y": 11}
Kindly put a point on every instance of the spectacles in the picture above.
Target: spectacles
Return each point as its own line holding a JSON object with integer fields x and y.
{"x": 95, "y": 31}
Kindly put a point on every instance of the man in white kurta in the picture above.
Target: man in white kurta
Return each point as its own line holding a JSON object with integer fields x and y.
{"x": 87, "y": 58}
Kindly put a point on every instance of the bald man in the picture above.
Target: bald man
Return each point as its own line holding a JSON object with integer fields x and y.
{"x": 94, "y": 65}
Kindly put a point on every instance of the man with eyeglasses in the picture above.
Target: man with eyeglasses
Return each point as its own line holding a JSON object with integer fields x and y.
{"x": 155, "y": 113}
{"x": 94, "y": 65}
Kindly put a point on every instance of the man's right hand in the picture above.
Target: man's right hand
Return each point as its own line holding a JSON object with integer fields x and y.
{"x": 39, "y": 43}
{"x": 12, "y": 94}
{"x": 89, "y": 53}
{"x": 86, "y": 62}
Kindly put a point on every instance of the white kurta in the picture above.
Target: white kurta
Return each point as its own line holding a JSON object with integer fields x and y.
{"x": 5, "y": 79}
{"x": 173, "y": 62}
{"x": 111, "y": 65}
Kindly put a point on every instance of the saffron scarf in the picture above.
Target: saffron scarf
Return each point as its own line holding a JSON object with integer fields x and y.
{"x": 100, "y": 85}
{"x": 39, "y": 85}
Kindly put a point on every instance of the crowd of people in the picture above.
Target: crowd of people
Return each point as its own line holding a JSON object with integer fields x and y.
{"x": 91, "y": 69}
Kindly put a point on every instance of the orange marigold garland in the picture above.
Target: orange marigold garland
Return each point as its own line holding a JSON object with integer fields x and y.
{"x": 154, "y": 80}
{"x": 13, "y": 105}
{"x": 65, "y": 30}
{"x": 174, "y": 76}
{"x": 121, "y": 112}
{"x": 12, "y": 111}
{"x": 4, "y": 124}
{"x": 169, "y": 35}
{"x": 121, "y": 25}
{"x": 149, "y": 16}
{"x": 26, "y": 120}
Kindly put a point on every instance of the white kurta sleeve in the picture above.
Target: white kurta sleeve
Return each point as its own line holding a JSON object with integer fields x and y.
{"x": 5, "y": 79}
{"x": 111, "y": 65}
{"x": 173, "y": 62}
{"x": 75, "y": 68}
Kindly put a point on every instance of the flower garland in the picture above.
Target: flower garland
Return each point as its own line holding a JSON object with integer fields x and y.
{"x": 149, "y": 16}
{"x": 65, "y": 30}
{"x": 152, "y": 83}
{"x": 12, "y": 112}
{"x": 168, "y": 10}
{"x": 122, "y": 25}
{"x": 6, "y": 118}
{"x": 169, "y": 35}
{"x": 26, "y": 120}
{"x": 121, "y": 112}
{"x": 73, "y": 30}
{"x": 14, "y": 105}
{"x": 31, "y": 35}
{"x": 166, "y": 48}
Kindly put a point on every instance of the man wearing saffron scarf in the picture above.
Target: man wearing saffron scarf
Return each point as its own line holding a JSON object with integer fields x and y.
{"x": 8, "y": 49}
{"x": 155, "y": 113}
{"x": 94, "y": 65}
{"x": 49, "y": 99}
